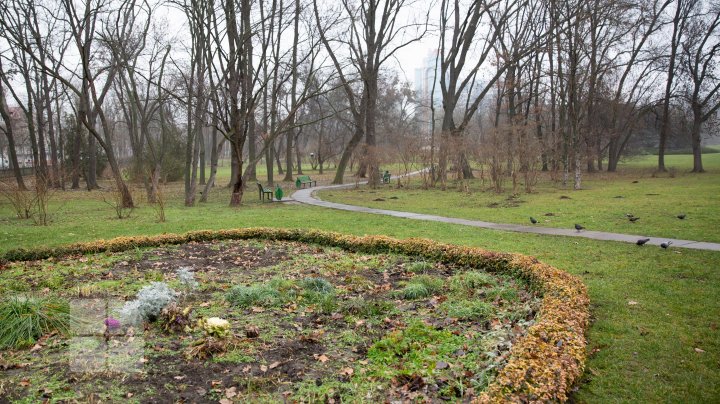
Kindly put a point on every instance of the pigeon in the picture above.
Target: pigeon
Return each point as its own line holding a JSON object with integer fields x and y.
{"x": 633, "y": 219}
{"x": 578, "y": 227}
{"x": 533, "y": 220}
{"x": 629, "y": 215}
{"x": 665, "y": 244}
{"x": 642, "y": 241}
{"x": 681, "y": 216}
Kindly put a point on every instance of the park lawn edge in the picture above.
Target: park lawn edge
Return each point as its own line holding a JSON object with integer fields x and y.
{"x": 543, "y": 365}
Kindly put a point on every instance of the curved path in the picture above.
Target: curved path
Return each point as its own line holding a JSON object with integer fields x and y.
{"x": 307, "y": 196}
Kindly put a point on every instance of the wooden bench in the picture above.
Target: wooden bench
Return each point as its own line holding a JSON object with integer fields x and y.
{"x": 262, "y": 191}
{"x": 304, "y": 179}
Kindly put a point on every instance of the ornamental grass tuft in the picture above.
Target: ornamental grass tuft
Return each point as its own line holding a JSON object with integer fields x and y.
{"x": 24, "y": 319}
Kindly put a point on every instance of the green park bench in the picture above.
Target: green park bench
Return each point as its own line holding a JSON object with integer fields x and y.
{"x": 262, "y": 191}
{"x": 304, "y": 179}
{"x": 384, "y": 176}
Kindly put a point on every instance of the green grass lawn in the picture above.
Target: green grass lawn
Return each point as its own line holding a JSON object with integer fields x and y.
{"x": 643, "y": 352}
{"x": 600, "y": 205}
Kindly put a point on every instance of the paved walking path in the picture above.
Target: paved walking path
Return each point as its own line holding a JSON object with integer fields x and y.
{"x": 307, "y": 196}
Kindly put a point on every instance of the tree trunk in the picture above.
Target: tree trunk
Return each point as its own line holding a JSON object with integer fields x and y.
{"x": 75, "y": 155}
{"x": 696, "y": 142}
{"x": 665, "y": 125}
{"x": 214, "y": 157}
{"x": 202, "y": 161}
{"x": 12, "y": 153}
{"x": 346, "y": 155}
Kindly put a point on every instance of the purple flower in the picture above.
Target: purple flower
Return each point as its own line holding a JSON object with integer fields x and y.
{"x": 112, "y": 323}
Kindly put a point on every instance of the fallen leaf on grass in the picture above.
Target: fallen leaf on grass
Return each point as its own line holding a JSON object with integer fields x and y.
{"x": 230, "y": 392}
{"x": 321, "y": 358}
{"x": 347, "y": 371}
{"x": 632, "y": 303}
{"x": 263, "y": 368}
{"x": 698, "y": 350}
{"x": 274, "y": 365}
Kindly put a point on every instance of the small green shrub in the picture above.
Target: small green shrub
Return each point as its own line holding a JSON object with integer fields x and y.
{"x": 468, "y": 282}
{"x": 255, "y": 295}
{"x": 413, "y": 291}
{"x": 317, "y": 285}
{"x": 419, "y": 267}
{"x": 319, "y": 292}
{"x": 326, "y": 303}
{"x": 474, "y": 310}
{"x": 421, "y": 286}
{"x": 25, "y": 319}
{"x": 283, "y": 286}
{"x": 432, "y": 283}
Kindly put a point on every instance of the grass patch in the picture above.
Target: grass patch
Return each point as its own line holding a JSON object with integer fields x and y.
{"x": 254, "y": 295}
{"x": 419, "y": 267}
{"x": 601, "y": 205}
{"x": 474, "y": 310}
{"x": 420, "y": 287}
{"x": 367, "y": 308}
{"x": 637, "y": 353}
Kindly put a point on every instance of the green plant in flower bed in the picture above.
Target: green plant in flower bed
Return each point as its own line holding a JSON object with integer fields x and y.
{"x": 367, "y": 308}
{"x": 254, "y": 295}
{"x": 317, "y": 285}
{"x": 24, "y": 319}
{"x": 471, "y": 282}
{"x": 420, "y": 267}
{"x": 422, "y": 351}
{"x": 420, "y": 287}
{"x": 475, "y": 310}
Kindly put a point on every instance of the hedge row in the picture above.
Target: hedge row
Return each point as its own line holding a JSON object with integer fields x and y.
{"x": 542, "y": 366}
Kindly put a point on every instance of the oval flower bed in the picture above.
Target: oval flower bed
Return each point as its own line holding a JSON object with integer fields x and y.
{"x": 314, "y": 316}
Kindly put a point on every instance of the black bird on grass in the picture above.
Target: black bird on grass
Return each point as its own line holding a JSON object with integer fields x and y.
{"x": 633, "y": 219}
{"x": 578, "y": 227}
{"x": 681, "y": 216}
{"x": 533, "y": 220}
{"x": 665, "y": 245}
{"x": 642, "y": 241}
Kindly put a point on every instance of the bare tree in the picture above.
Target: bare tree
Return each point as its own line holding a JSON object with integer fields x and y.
{"x": 700, "y": 58}
{"x": 373, "y": 35}
{"x": 470, "y": 40}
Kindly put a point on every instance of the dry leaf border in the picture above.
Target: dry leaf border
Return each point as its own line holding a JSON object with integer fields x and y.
{"x": 543, "y": 365}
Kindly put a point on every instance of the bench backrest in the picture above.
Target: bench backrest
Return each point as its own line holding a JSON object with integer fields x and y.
{"x": 304, "y": 178}
{"x": 262, "y": 189}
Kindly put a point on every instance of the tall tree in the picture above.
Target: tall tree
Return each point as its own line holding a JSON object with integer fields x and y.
{"x": 372, "y": 34}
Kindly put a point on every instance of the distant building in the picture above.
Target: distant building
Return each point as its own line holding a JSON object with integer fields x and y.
{"x": 425, "y": 77}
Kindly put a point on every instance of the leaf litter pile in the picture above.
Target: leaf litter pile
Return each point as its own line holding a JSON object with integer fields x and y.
{"x": 309, "y": 324}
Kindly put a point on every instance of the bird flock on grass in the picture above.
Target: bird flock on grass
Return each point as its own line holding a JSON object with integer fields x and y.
{"x": 632, "y": 218}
